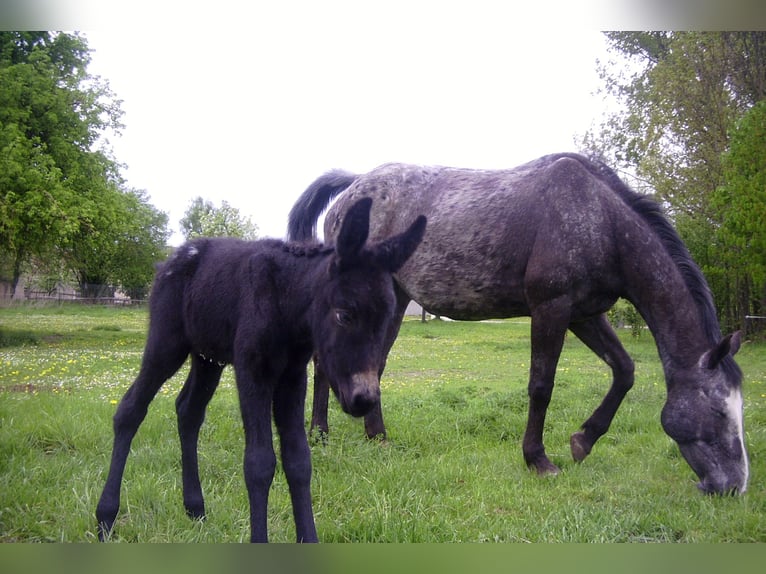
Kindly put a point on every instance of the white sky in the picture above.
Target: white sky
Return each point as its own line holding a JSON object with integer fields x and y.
{"x": 251, "y": 105}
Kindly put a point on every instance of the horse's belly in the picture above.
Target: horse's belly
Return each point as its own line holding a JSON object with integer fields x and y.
{"x": 463, "y": 295}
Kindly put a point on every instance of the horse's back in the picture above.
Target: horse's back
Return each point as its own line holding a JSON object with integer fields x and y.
{"x": 492, "y": 232}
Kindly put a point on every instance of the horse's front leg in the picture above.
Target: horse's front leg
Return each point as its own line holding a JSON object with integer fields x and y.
{"x": 255, "y": 399}
{"x": 373, "y": 421}
{"x": 549, "y": 326}
{"x": 599, "y": 336}
{"x": 289, "y": 400}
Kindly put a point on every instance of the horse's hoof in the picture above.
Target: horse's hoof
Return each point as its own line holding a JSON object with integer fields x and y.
{"x": 318, "y": 436}
{"x": 580, "y": 447}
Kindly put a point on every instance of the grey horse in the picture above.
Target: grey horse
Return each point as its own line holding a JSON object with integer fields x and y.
{"x": 558, "y": 239}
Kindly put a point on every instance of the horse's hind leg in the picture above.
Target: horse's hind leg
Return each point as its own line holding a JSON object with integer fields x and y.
{"x": 159, "y": 364}
{"x": 320, "y": 402}
{"x": 599, "y": 336}
{"x": 190, "y": 409}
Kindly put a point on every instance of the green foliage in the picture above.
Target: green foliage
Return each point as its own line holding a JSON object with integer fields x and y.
{"x": 624, "y": 314}
{"x": 455, "y": 401}
{"x": 683, "y": 95}
{"x": 203, "y": 219}
{"x": 740, "y": 206}
{"x": 62, "y": 201}
{"x": 128, "y": 238}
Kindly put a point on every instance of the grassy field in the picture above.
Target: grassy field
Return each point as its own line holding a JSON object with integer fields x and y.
{"x": 454, "y": 398}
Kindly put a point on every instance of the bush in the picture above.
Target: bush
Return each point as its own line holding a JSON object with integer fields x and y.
{"x": 624, "y": 314}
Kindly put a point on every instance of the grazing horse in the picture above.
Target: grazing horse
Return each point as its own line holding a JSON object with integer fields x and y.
{"x": 558, "y": 239}
{"x": 264, "y": 307}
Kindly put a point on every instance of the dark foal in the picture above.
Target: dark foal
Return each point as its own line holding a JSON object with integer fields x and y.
{"x": 264, "y": 307}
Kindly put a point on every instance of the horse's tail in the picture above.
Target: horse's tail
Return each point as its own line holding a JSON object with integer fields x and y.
{"x": 303, "y": 217}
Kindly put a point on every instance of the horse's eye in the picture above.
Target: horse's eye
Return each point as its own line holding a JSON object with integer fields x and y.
{"x": 343, "y": 317}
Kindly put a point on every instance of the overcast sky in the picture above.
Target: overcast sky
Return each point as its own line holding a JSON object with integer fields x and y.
{"x": 253, "y": 107}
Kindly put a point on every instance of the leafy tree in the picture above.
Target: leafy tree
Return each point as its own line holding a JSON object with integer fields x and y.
{"x": 740, "y": 206}
{"x": 63, "y": 204}
{"x": 191, "y": 222}
{"x": 141, "y": 241}
{"x": 203, "y": 219}
{"x": 682, "y": 95}
{"x": 52, "y": 113}
{"x": 128, "y": 237}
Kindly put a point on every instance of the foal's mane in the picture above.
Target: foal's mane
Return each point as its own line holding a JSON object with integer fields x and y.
{"x": 307, "y": 250}
{"x": 299, "y": 249}
{"x": 652, "y": 213}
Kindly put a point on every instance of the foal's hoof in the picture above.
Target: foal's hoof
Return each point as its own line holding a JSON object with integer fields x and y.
{"x": 544, "y": 467}
{"x": 196, "y": 512}
{"x": 104, "y": 531}
{"x": 580, "y": 446}
{"x": 380, "y": 437}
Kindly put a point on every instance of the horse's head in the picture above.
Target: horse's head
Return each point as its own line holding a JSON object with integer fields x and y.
{"x": 703, "y": 414}
{"x": 355, "y": 308}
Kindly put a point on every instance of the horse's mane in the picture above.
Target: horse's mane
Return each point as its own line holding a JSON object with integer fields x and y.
{"x": 652, "y": 213}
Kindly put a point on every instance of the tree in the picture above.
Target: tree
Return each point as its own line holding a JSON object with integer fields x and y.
{"x": 191, "y": 222}
{"x": 64, "y": 205}
{"x": 52, "y": 113}
{"x": 203, "y": 219}
{"x": 682, "y": 95}
{"x": 128, "y": 237}
{"x": 740, "y": 206}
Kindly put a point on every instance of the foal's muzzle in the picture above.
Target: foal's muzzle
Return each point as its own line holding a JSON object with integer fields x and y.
{"x": 363, "y": 394}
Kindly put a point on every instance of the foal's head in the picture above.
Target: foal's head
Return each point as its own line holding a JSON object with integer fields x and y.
{"x": 703, "y": 414}
{"x": 354, "y": 309}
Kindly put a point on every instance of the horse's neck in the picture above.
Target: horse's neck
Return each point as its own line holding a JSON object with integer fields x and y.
{"x": 660, "y": 294}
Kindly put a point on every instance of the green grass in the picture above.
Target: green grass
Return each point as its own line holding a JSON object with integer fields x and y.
{"x": 454, "y": 399}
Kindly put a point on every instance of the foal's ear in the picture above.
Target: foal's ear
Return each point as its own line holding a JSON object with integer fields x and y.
{"x": 354, "y": 231}
{"x": 729, "y": 345}
{"x": 394, "y": 252}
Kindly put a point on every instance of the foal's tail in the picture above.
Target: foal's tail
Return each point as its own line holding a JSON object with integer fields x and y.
{"x": 303, "y": 217}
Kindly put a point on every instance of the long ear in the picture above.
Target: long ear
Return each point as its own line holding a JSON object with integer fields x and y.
{"x": 394, "y": 252}
{"x": 354, "y": 231}
{"x": 728, "y": 345}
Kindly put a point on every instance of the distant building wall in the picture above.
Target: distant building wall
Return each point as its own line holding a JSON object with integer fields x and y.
{"x": 413, "y": 309}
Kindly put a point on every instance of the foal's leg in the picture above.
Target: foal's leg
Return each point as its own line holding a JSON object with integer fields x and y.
{"x": 289, "y": 401}
{"x": 190, "y": 409}
{"x": 549, "y": 325}
{"x": 255, "y": 402}
{"x": 599, "y": 336}
{"x": 157, "y": 366}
